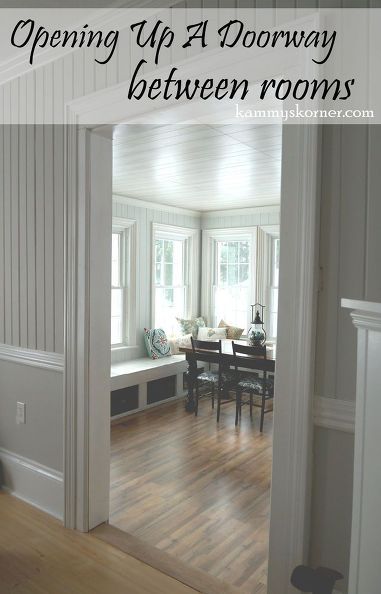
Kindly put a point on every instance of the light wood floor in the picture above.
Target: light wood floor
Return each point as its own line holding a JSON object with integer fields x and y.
{"x": 196, "y": 490}
{"x": 38, "y": 556}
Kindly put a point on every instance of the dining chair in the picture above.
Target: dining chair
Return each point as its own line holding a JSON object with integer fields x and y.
{"x": 218, "y": 380}
{"x": 251, "y": 383}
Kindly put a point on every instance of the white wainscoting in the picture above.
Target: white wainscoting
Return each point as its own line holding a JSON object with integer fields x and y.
{"x": 331, "y": 413}
{"x": 32, "y": 482}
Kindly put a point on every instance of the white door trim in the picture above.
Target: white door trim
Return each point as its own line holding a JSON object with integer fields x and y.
{"x": 293, "y": 419}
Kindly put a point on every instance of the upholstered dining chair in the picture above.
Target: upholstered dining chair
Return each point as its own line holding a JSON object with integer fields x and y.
{"x": 218, "y": 380}
{"x": 251, "y": 383}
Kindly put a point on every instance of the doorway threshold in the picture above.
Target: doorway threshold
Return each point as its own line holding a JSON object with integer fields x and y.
{"x": 162, "y": 561}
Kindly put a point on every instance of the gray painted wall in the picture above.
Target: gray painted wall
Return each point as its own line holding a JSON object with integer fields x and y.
{"x": 41, "y": 438}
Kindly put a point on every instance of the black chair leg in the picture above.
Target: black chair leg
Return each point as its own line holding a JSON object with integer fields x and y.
{"x": 197, "y": 399}
{"x": 218, "y": 403}
{"x": 237, "y": 406}
{"x": 251, "y": 405}
{"x": 262, "y": 412}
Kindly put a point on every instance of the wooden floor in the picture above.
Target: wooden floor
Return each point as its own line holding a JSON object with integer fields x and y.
{"x": 196, "y": 490}
{"x": 38, "y": 556}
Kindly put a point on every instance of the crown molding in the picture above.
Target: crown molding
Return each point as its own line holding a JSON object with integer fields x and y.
{"x": 121, "y": 199}
{"x": 244, "y": 211}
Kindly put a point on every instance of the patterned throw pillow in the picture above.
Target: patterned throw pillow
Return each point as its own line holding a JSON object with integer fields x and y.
{"x": 205, "y": 333}
{"x": 180, "y": 341}
{"x": 191, "y": 326}
{"x": 156, "y": 343}
{"x": 232, "y": 332}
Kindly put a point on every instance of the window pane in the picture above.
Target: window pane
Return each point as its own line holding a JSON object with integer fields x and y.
{"x": 168, "y": 251}
{"x": 222, "y": 252}
{"x": 231, "y": 297}
{"x": 244, "y": 252}
{"x": 275, "y": 263}
{"x": 223, "y": 276}
{"x": 243, "y": 274}
{"x": 233, "y": 252}
{"x": 178, "y": 263}
{"x": 169, "y": 305}
{"x": 158, "y": 250}
{"x": 158, "y": 274}
{"x": 232, "y": 305}
{"x": 115, "y": 260}
{"x": 116, "y": 316}
{"x": 170, "y": 284}
{"x": 232, "y": 274}
{"x": 273, "y": 325}
{"x": 168, "y": 274}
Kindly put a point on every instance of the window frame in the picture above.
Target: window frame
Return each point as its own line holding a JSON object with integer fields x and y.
{"x": 127, "y": 229}
{"x": 190, "y": 237}
{"x": 272, "y": 235}
{"x": 210, "y": 237}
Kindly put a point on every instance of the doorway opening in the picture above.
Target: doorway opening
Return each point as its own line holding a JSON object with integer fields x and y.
{"x": 195, "y": 242}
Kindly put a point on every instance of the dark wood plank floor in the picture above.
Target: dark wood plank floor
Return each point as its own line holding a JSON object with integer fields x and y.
{"x": 197, "y": 490}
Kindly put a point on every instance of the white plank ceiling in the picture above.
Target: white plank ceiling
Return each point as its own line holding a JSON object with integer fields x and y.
{"x": 199, "y": 166}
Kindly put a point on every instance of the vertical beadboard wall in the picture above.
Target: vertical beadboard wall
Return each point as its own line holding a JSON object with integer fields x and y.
{"x": 350, "y": 248}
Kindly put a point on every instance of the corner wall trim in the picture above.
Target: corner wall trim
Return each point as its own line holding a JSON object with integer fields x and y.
{"x": 32, "y": 482}
{"x": 42, "y": 359}
{"x": 332, "y": 413}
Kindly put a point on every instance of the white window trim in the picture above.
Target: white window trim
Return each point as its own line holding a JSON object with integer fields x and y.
{"x": 209, "y": 238}
{"x": 264, "y": 260}
{"x": 128, "y": 227}
{"x": 192, "y": 270}
{"x": 260, "y": 267}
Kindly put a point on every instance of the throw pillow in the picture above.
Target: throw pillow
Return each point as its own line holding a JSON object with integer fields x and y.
{"x": 205, "y": 333}
{"x": 180, "y": 341}
{"x": 156, "y": 343}
{"x": 232, "y": 332}
{"x": 191, "y": 326}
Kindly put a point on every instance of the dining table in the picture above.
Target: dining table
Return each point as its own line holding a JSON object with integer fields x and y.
{"x": 262, "y": 364}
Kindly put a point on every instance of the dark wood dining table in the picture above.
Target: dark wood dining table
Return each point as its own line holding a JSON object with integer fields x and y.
{"x": 255, "y": 363}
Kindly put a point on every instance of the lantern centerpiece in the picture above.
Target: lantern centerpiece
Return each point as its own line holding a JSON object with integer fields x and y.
{"x": 256, "y": 334}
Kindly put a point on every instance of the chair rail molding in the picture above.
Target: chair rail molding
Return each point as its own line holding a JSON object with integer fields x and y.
{"x": 41, "y": 359}
{"x": 332, "y": 413}
{"x": 366, "y": 526}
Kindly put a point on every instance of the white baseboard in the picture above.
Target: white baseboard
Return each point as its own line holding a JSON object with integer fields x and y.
{"x": 332, "y": 413}
{"x": 32, "y": 482}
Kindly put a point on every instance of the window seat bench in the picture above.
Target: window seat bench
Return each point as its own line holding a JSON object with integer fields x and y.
{"x": 144, "y": 382}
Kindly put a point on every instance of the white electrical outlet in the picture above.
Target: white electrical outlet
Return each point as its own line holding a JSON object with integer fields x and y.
{"x": 20, "y": 413}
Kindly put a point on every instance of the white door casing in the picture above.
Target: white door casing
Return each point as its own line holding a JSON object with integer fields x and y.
{"x": 87, "y": 352}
